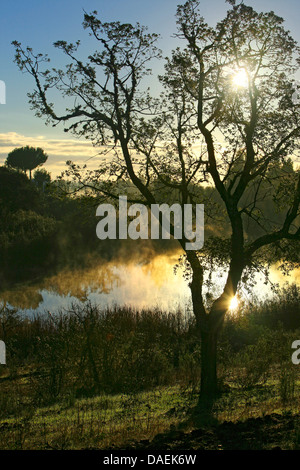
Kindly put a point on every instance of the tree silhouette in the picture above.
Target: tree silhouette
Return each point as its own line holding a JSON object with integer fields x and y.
{"x": 16, "y": 192}
{"x": 26, "y": 158}
{"x": 42, "y": 178}
{"x": 226, "y": 118}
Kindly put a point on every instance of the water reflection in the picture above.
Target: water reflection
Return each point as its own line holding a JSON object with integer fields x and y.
{"x": 139, "y": 285}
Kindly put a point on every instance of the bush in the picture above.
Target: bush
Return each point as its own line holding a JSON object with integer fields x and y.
{"x": 252, "y": 364}
{"x": 87, "y": 351}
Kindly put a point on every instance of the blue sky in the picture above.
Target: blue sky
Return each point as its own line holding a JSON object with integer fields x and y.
{"x": 38, "y": 23}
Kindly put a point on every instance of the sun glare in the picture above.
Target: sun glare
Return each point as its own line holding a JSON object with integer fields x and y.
{"x": 240, "y": 79}
{"x": 234, "y": 303}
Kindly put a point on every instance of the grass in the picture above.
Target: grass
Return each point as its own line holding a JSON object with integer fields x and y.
{"x": 99, "y": 422}
{"x": 113, "y": 421}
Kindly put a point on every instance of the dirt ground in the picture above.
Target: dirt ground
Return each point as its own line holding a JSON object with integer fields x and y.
{"x": 272, "y": 432}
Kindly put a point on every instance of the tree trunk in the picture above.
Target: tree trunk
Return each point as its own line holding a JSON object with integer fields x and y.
{"x": 209, "y": 325}
{"x": 209, "y": 380}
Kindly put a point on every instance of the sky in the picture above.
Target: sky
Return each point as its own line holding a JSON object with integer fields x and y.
{"x": 39, "y": 23}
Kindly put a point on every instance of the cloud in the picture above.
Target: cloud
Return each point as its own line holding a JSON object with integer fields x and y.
{"x": 58, "y": 150}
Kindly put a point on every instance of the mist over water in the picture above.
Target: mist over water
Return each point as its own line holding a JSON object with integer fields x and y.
{"x": 144, "y": 285}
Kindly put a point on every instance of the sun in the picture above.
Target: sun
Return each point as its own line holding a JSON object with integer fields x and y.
{"x": 240, "y": 79}
{"x": 234, "y": 303}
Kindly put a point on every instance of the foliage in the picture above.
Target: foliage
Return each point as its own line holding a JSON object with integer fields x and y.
{"x": 26, "y": 158}
{"x": 16, "y": 192}
{"x": 42, "y": 178}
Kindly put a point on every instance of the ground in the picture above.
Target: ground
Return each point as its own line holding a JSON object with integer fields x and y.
{"x": 272, "y": 432}
{"x": 159, "y": 419}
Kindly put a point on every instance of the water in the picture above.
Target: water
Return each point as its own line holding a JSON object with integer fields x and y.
{"x": 134, "y": 284}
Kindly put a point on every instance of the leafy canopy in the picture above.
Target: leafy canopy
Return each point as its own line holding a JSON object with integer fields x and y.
{"x": 26, "y": 158}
